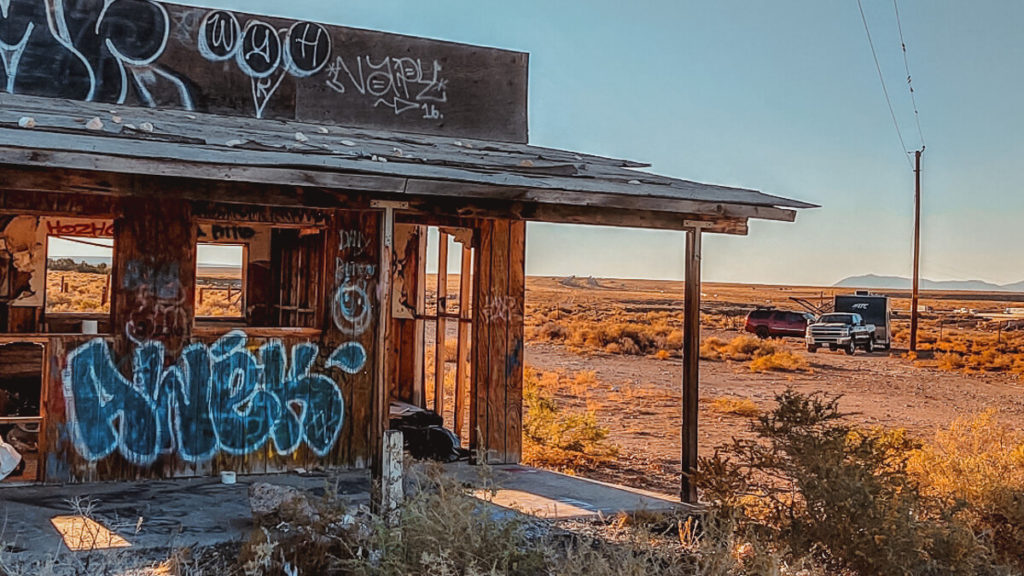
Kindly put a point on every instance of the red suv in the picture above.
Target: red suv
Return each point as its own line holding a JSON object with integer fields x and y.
{"x": 769, "y": 322}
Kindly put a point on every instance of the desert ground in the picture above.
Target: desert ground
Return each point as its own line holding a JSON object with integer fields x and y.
{"x": 637, "y": 397}
{"x": 611, "y": 349}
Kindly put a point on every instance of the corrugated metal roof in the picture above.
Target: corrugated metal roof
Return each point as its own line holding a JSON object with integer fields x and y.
{"x": 142, "y": 140}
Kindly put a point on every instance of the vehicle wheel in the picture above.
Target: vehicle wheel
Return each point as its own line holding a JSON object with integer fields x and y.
{"x": 869, "y": 346}
{"x": 851, "y": 348}
{"x": 762, "y": 332}
{"x": 812, "y": 348}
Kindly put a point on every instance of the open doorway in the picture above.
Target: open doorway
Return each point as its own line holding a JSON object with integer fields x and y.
{"x": 432, "y": 322}
{"x": 449, "y": 320}
{"x": 21, "y": 401}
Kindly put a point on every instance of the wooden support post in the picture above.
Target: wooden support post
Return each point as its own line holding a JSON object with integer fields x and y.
{"x": 379, "y": 417}
{"x": 442, "y": 323}
{"x": 462, "y": 363}
{"x": 691, "y": 364}
{"x": 392, "y": 491}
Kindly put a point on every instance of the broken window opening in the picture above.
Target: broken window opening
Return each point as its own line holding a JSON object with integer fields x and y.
{"x": 220, "y": 281}
{"x": 78, "y": 273}
{"x": 21, "y": 384}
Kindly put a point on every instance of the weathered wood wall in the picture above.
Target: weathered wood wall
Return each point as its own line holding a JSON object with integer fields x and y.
{"x": 496, "y": 402}
{"x": 159, "y": 395}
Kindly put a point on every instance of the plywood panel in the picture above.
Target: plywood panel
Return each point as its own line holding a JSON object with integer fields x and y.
{"x": 237, "y": 64}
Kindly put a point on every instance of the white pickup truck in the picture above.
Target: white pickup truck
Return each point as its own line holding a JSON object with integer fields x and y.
{"x": 841, "y": 330}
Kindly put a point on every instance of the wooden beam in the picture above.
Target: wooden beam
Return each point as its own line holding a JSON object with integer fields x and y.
{"x": 691, "y": 364}
{"x": 379, "y": 403}
{"x": 442, "y": 323}
{"x": 465, "y": 320}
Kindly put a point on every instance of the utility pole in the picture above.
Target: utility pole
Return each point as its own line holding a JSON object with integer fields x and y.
{"x": 917, "y": 248}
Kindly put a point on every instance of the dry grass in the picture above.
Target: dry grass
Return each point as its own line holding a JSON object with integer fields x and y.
{"x": 76, "y": 292}
{"x": 218, "y": 302}
{"x": 82, "y": 292}
{"x": 553, "y": 437}
{"x": 977, "y": 466}
{"x": 779, "y": 361}
{"x": 740, "y": 348}
{"x": 736, "y": 406}
{"x": 448, "y": 529}
{"x": 849, "y": 498}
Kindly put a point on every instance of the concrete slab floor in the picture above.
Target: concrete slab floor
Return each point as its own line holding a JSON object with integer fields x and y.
{"x": 158, "y": 515}
{"x": 153, "y": 514}
{"x": 548, "y": 494}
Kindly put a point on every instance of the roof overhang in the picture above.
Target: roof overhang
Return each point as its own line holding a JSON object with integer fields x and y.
{"x": 518, "y": 180}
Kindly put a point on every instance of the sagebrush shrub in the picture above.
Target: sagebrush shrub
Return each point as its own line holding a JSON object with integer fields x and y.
{"x": 817, "y": 486}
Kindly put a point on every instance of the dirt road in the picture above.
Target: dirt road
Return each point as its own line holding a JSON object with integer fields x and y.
{"x": 639, "y": 398}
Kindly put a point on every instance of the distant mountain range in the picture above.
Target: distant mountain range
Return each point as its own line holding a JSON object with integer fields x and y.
{"x": 900, "y": 283}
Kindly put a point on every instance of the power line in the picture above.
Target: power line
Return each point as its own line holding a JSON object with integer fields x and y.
{"x": 906, "y": 65}
{"x": 881, "y": 79}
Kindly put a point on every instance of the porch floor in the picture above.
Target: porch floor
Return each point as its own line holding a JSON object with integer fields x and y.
{"x": 557, "y": 496}
{"x": 164, "y": 514}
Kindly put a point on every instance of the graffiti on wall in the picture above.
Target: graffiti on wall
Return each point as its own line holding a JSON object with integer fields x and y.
{"x": 146, "y": 53}
{"x": 224, "y": 232}
{"x": 263, "y": 53}
{"x": 158, "y": 303}
{"x": 103, "y": 51}
{"x": 80, "y": 228}
{"x": 401, "y": 84}
{"x": 501, "y": 309}
{"x": 221, "y": 397}
{"x": 351, "y": 307}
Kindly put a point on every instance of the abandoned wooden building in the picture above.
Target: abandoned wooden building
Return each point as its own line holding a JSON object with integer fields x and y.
{"x": 322, "y": 156}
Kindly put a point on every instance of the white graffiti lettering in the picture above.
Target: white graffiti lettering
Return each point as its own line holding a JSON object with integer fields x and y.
{"x": 401, "y": 84}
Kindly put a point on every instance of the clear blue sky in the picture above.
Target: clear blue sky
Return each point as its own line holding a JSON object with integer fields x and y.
{"x": 779, "y": 96}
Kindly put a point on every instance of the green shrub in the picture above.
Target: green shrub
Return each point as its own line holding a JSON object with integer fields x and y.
{"x": 818, "y": 487}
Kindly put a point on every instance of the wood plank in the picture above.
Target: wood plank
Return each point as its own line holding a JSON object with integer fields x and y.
{"x": 478, "y": 407}
{"x": 398, "y": 178}
{"x": 440, "y": 332}
{"x": 379, "y": 404}
{"x": 496, "y": 309}
{"x": 515, "y": 352}
{"x": 463, "y": 370}
{"x": 691, "y": 366}
{"x": 439, "y": 209}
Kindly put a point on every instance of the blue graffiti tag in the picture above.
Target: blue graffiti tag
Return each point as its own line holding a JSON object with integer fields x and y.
{"x": 350, "y": 357}
{"x": 220, "y": 397}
